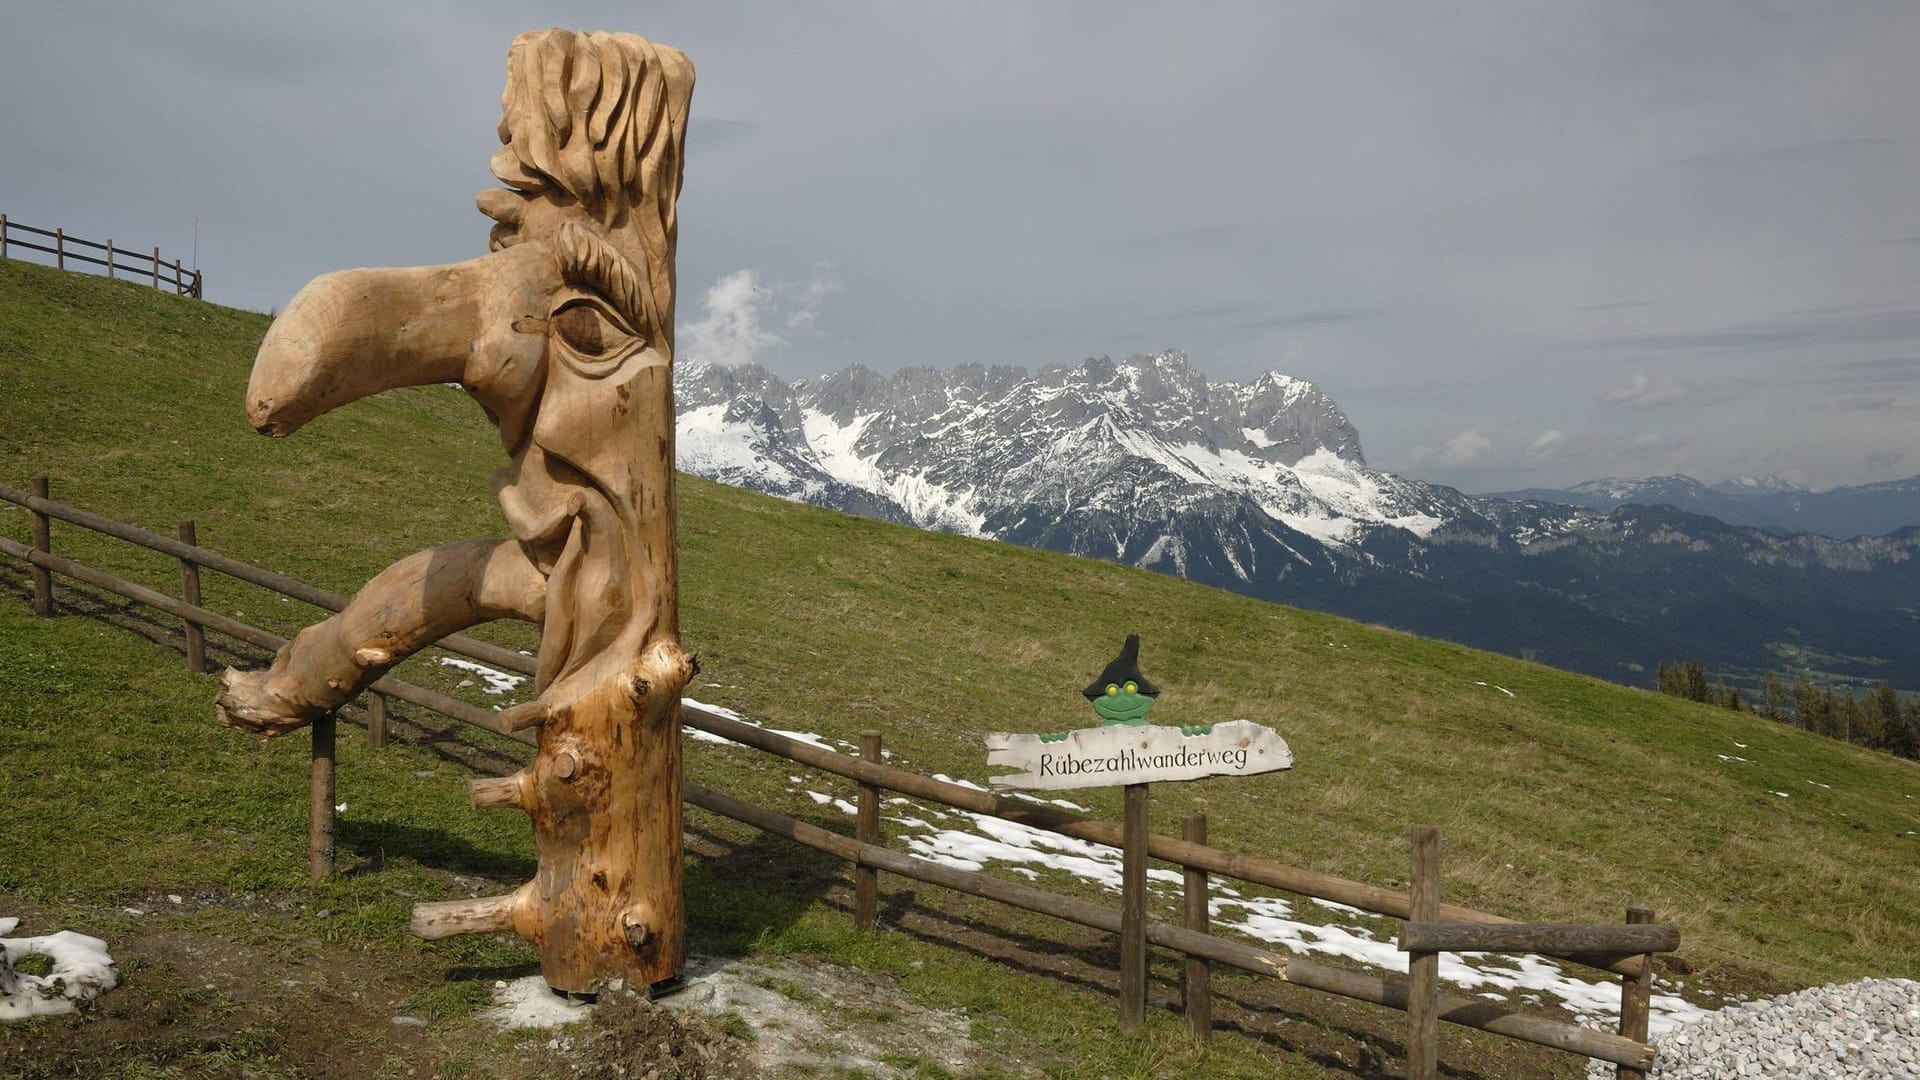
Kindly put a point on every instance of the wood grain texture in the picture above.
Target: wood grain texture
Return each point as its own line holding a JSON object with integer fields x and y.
{"x": 1196, "y": 986}
{"x": 1423, "y": 968}
{"x": 866, "y": 880}
{"x": 190, "y": 592}
{"x": 1118, "y": 754}
{"x": 563, "y": 333}
{"x": 42, "y": 542}
{"x": 1133, "y": 909}
{"x": 1636, "y": 997}
{"x": 1547, "y": 938}
{"x": 320, "y": 793}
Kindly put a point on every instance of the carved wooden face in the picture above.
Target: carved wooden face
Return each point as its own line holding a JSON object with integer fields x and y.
{"x": 556, "y": 291}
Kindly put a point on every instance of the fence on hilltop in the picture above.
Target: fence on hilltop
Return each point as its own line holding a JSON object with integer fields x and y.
{"x": 64, "y": 248}
{"x": 1623, "y": 949}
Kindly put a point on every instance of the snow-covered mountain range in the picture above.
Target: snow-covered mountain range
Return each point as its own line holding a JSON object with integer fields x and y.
{"x": 1262, "y": 488}
{"x": 1107, "y": 451}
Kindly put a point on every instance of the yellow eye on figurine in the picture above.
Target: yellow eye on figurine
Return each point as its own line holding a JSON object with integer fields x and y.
{"x": 1122, "y": 695}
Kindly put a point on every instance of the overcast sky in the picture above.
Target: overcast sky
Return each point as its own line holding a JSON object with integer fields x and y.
{"x": 1519, "y": 243}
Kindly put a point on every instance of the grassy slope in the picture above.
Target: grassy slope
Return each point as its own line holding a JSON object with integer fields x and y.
{"x": 1564, "y": 801}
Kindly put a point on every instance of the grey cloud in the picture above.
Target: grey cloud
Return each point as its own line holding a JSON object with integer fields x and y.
{"x": 1878, "y": 371}
{"x": 1873, "y": 403}
{"x": 1642, "y": 392}
{"x": 1019, "y": 183}
{"x": 1885, "y": 459}
{"x": 1842, "y": 327}
{"x": 1821, "y": 150}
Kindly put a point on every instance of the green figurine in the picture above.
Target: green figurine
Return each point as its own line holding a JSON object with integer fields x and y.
{"x": 1122, "y": 695}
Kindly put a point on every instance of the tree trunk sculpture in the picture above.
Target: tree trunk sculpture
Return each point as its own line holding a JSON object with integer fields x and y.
{"x": 564, "y": 334}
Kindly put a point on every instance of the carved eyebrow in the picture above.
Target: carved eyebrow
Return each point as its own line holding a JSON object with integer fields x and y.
{"x": 588, "y": 261}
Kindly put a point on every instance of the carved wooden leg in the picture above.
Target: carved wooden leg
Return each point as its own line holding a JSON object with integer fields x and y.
{"x": 408, "y": 606}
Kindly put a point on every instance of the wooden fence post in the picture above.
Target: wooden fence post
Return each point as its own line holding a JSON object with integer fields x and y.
{"x": 1423, "y": 968}
{"x": 320, "y": 824}
{"x": 109, "y": 256}
{"x": 1133, "y": 910}
{"x": 866, "y": 880}
{"x": 199, "y": 285}
{"x": 60, "y": 248}
{"x": 3, "y": 236}
{"x": 156, "y": 268}
{"x": 1196, "y": 990}
{"x": 42, "y": 542}
{"x": 179, "y": 283}
{"x": 376, "y": 719}
{"x": 190, "y": 592}
{"x": 1636, "y": 997}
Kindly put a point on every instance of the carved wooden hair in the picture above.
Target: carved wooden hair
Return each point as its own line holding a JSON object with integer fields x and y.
{"x": 601, "y": 117}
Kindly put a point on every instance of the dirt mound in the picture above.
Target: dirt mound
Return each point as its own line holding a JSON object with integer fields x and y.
{"x": 634, "y": 1039}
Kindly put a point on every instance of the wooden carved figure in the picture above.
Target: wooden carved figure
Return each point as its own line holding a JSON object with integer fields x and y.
{"x": 564, "y": 335}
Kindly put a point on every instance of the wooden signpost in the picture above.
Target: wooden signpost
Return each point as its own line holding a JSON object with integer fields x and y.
{"x": 1125, "y": 750}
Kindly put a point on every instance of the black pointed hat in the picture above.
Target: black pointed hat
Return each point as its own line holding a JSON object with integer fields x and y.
{"x": 1121, "y": 670}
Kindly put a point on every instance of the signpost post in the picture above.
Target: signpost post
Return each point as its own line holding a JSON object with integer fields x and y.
{"x": 1125, "y": 750}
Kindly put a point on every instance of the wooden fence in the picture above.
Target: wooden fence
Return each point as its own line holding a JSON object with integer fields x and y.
{"x": 1625, "y": 950}
{"x": 116, "y": 260}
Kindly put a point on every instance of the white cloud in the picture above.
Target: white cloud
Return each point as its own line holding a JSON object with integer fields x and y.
{"x": 1467, "y": 448}
{"x": 744, "y": 318}
{"x": 1642, "y": 392}
{"x": 1548, "y": 445}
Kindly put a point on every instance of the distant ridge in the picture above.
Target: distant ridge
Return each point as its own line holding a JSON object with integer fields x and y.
{"x": 1770, "y": 503}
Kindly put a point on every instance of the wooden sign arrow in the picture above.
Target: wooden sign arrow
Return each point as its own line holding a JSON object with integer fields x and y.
{"x": 1135, "y": 754}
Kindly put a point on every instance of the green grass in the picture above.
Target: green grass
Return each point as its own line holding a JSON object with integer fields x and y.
{"x": 1563, "y": 802}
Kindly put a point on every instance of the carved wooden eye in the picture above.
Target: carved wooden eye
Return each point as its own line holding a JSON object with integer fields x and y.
{"x": 585, "y": 329}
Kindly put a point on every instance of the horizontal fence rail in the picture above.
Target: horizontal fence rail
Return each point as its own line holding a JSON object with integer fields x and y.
{"x": 1601, "y": 948}
{"x": 118, "y": 261}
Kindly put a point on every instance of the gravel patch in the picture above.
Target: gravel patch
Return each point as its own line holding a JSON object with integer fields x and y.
{"x": 1866, "y": 1030}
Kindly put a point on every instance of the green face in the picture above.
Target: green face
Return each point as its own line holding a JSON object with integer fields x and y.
{"x": 1123, "y": 704}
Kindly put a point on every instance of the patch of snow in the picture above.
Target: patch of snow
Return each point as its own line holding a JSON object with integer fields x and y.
{"x": 498, "y": 682}
{"x": 529, "y": 1002}
{"x": 1258, "y": 438}
{"x": 980, "y": 840}
{"x": 81, "y": 969}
